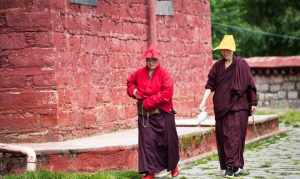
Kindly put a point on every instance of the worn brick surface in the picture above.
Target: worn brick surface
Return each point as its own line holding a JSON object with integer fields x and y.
{"x": 75, "y": 59}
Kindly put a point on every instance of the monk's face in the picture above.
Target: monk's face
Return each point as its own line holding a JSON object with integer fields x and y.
{"x": 227, "y": 54}
{"x": 151, "y": 63}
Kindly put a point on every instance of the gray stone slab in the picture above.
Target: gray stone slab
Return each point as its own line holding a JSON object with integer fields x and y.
{"x": 292, "y": 94}
{"x": 210, "y": 122}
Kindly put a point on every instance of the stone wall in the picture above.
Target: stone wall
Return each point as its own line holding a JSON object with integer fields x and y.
{"x": 64, "y": 66}
{"x": 278, "y": 85}
{"x": 279, "y": 91}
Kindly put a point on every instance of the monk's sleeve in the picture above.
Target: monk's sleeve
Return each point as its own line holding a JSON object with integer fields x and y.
{"x": 131, "y": 84}
{"x": 164, "y": 95}
{"x": 251, "y": 92}
{"x": 211, "y": 81}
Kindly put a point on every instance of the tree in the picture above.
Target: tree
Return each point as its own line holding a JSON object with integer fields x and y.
{"x": 280, "y": 17}
{"x": 260, "y": 27}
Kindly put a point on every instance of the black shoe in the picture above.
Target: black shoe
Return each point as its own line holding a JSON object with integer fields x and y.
{"x": 229, "y": 173}
{"x": 232, "y": 172}
{"x": 237, "y": 172}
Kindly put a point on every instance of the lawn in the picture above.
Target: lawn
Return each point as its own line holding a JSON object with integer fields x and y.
{"x": 290, "y": 117}
{"x": 60, "y": 175}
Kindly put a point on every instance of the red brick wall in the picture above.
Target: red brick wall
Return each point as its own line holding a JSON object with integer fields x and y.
{"x": 28, "y": 96}
{"x": 64, "y": 66}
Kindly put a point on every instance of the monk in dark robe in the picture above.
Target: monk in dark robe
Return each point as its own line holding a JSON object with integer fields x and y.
{"x": 234, "y": 100}
{"x": 158, "y": 147}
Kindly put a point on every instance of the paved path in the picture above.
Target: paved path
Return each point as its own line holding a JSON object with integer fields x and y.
{"x": 272, "y": 159}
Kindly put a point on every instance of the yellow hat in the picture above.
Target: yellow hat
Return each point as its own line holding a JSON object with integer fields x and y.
{"x": 227, "y": 43}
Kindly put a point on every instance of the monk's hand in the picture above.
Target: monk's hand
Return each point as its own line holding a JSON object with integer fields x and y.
{"x": 135, "y": 93}
{"x": 253, "y": 109}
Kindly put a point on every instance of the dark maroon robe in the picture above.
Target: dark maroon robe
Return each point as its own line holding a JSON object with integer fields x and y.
{"x": 234, "y": 94}
{"x": 158, "y": 143}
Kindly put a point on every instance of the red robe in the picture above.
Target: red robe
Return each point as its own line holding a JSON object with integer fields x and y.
{"x": 156, "y": 92}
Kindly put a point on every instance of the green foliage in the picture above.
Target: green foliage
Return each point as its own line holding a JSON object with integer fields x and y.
{"x": 266, "y": 164}
{"x": 263, "y": 143}
{"x": 206, "y": 159}
{"x": 56, "y": 175}
{"x": 247, "y": 20}
{"x": 291, "y": 117}
{"x": 263, "y": 112}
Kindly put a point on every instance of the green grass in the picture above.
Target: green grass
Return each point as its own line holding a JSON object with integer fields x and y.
{"x": 60, "y": 175}
{"x": 206, "y": 159}
{"x": 183, "y": 177}
{"x": 267, "y": 164}
{"x": 291, "y": 118}
{"x": 288, "y": 117}
{"x": 264, "y": 143}
{"x": 296, "y": 162}
{"x": 264, "y": 112}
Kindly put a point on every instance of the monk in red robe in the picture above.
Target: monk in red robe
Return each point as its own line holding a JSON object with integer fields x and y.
{"x": 152, "y": 87}
{"x": 234, "y": 100}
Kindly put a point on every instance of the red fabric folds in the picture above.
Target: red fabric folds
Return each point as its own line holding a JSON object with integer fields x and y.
{"x": 156, "y": 92}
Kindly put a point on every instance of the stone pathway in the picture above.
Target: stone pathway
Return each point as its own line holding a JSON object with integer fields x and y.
{"x": 274, "y": 158}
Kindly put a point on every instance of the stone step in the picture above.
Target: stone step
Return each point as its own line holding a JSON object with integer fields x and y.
{"x": 210, "y": 120}
{"x": 118, "y": 150}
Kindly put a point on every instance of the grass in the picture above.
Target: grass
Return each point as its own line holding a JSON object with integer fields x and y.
{"x": 290, "y": 117}
{"x": 296, "y": 162}
{"x": 263, "y": 143}
{"x": 60, "y": 175}
{"x": 267, "y": 164}
{"x": 264, "y": 112}
{"x": 206, "y": 159}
